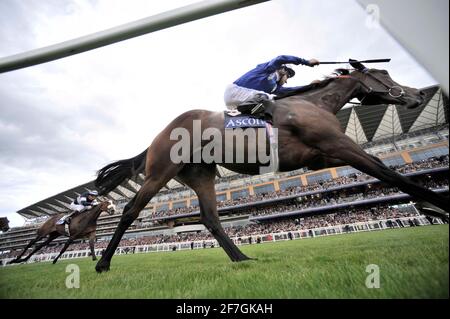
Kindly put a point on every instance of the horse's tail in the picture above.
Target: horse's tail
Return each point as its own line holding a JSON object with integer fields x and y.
{"x": 112, "y": 175}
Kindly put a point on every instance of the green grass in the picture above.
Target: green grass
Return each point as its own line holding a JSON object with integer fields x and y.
{"x": 413, "y": 263}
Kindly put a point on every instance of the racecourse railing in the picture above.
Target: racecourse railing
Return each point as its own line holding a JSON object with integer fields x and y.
{"x": 373, "y": 225}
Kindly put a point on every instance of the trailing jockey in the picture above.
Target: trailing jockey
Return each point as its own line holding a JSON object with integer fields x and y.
{"x": 82, "y": 203}
{"x": 254, "y": 91}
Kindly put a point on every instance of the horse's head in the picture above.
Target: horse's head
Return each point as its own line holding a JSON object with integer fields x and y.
{"x": 108, "y": 206}
{"x": 379, "y": 88}
{"x": 111, "y": 209}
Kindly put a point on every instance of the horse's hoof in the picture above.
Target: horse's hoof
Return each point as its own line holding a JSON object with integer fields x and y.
{"x": 94, "y": 259}
{"x": 102, "y": 266}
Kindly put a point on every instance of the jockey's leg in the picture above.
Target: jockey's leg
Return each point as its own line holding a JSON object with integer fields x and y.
{"x": 247, "y": 101}
{"x": 75, "y": 213}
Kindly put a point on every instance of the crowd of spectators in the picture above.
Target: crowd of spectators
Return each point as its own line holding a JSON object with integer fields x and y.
{"x": 341, "y": 217}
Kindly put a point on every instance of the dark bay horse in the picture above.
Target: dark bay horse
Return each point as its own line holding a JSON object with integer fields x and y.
{"x": 309, "y": 135}
{"x": 81, "y": 226}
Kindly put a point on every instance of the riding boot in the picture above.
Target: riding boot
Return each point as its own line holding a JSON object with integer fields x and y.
{"x": 264, "y": 111}
{"x": 269, "y": 106}
{"x": 69, "y": 218}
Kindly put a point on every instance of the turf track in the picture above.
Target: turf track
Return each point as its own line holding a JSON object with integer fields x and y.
{"x": 413, "y": 263}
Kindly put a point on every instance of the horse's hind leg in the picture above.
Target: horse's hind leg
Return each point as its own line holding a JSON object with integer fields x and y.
{"x": 153, "y": 183}
{"x": 343, "y": 148}
{"x": 31, "y": 243}
{"x": 51, "y": 237}
{"x": 201, "y": 179}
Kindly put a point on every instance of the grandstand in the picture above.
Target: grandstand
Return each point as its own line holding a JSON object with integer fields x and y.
{"x": 280, "y": 206}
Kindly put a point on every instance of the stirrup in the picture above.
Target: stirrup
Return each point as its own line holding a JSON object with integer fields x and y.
{"x": 257, "y": 108}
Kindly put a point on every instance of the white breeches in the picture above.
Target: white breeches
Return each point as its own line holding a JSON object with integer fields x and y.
{"x": 79, "y": 208}
{"x": 236, "y": 95}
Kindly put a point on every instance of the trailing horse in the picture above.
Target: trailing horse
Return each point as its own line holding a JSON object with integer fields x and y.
{"x": 81, "y": 226}
{"x": 309, "y": 135}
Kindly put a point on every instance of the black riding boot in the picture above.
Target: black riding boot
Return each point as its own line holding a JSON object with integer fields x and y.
{"x": 260, "y": 107}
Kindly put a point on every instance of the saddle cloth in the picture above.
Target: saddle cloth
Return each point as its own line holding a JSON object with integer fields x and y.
{"x": 235, "y": 119}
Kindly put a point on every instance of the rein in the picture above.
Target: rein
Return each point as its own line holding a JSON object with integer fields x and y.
{"x": 370, "y": 90}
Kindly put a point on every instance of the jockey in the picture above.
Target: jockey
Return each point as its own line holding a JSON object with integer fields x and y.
{"x": 82, "y": 203}
{"x": 261, "y": 84}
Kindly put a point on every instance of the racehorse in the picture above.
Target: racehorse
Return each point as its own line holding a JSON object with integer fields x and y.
{"x": 309, "y": 135}
{"x": 81, "y": 226}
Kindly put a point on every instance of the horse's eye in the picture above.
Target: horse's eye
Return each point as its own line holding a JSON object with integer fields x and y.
{"x": 384, "y": 72}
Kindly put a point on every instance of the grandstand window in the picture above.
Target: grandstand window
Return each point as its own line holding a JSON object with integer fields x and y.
{"x": 263, "y": 189}
{"x": 346, "y": 170}
{"x": 240, "y": 193}
{"x": 426, "y": 154}
{"x": 194, "y": 201}
{"x": 314, "y": 178}
{"x": 393, "y": 161}
{"x": 179, "y": 204}
{"x": 162, "y": 207}
{"x": 221, "y": 197}
{"x": 292, "y": 182}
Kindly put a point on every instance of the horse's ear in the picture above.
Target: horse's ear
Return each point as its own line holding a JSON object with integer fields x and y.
{"x": 357, "y": 65}
{"x": 342, "y": 71}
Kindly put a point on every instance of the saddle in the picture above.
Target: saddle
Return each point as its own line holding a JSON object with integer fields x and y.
{"x": 259, "y": 110}
{"x": 236, "y": 119}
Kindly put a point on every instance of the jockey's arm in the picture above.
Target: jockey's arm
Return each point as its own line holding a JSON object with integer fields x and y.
{"x": 276, "y": 63}
{"x": 282, "y": 90}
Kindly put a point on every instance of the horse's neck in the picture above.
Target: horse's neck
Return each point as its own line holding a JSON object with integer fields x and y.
{"x": 333, "y": 96}
{"x": 94, "y": 213}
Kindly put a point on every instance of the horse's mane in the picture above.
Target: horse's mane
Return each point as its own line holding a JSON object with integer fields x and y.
{"x": 306, "y": 88}
{"x": 318, "y": 85}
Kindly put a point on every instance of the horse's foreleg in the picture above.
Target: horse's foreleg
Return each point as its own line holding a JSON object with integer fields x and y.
{"x": 91, "y": 245}
{"x": 201, "y": 180}
{"x": 343, "y": 148}
{"x": 66, "y": 245}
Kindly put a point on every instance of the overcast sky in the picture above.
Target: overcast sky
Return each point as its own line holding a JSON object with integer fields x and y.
{"x": 62, "y": 121}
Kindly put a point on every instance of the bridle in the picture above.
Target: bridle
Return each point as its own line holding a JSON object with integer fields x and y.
{"x": 390, "y": 89}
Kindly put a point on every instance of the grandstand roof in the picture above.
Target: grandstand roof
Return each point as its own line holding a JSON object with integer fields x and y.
{"x": 361, "y": 123}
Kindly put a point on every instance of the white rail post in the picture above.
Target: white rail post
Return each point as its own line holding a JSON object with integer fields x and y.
{"x": 127, "y": 31}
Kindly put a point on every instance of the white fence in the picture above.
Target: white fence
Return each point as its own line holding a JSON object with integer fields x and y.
{"x": 373, "y": 225}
